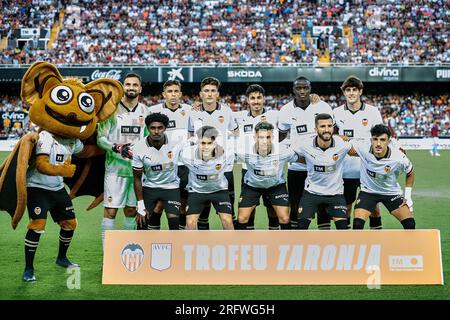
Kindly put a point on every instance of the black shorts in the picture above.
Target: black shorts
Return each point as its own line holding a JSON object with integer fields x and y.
{"x": 169, "y": 197}
{"x": 368, "y": 201}
{"x": 183, "y": 173}
{"x": 350, "y": 189}
{"x": 276, "y": 195}
{"x": 40, "y": 201}
{"x": 295, "y": 185}
{"x": 334, "y": 205}
{"x": 197, "y": 201}
{"x": 230, "y": 178}
{"x": 266, "y": 201}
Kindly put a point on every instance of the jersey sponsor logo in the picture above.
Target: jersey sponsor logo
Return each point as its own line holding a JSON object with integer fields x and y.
{"x": 387, "y": 168}
{"x": 371, "y": 173}
{"x": 202, "y": 177}
{"x": 324, "y": 168}
{"x": 335, "y": 157}
{"x": 248, "y": 128}
{"x": 221, "y": 119}
{"x": 348, "y": 133}
{"x": 130, "y": 130}
{"x": 365, "y": 122}
{"x": 59, "y": 158}
{"x": 172, "y": 124}
{"x": 161, "y": 257}
{"x": 37, "y": 210}
{"x": 156, "y": 168}
{"x": 132, "y": 257}
{"x": 302, "y": 128}
{"x": 262, "y": 173}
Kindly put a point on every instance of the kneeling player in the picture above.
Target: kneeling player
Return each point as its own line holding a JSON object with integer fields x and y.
{"x": 207, "y": 162}
{"x": 45, "y": 189}
{"x": 264, "y": 176}
{"x": 380, "y": 168}
{"x": 157, "y": 157}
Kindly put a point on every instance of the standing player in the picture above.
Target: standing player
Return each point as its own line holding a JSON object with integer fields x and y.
{"x": 354, "y": 119}
{"x": 435, "y": 136}
{"x": 219, "y": 116}
{"x": 157, "y": 158}
{"x": 297, "y": 119}
{"x": 380, "y": 168}
{"x": 46, "y": 192}
{"x": 207, "y": 162}
{"x": 324, "y": 155}
{"x": 265, "y": 175}
{"x": 247, "y": 121}
{"x": 177, "y": 130}
{"x": 116, "y": 136}
{"x": 392, "y": 124}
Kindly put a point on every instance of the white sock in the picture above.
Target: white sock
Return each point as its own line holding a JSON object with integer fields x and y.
{"x": 129, "y": 223}
{"x": 107, "y": 224}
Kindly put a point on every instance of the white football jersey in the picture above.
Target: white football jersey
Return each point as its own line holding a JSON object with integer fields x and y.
{"x": 58, "y": 150}
{"x": 206, "y": 176}
{"x": 160, "y": 166}
{"x": 380, "y": 176}
{"x": 300, "y": 123}
{"x": 264, "y": 171}
{"x": 356, "y": 126}
{"x": 325, "y": 167}
{"x": 177, "y": 129}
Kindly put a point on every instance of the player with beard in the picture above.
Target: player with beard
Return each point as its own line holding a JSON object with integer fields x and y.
{"x": 117, "y": 136}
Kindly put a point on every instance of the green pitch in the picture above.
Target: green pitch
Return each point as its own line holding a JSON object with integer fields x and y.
{"x": 431, "y": 195}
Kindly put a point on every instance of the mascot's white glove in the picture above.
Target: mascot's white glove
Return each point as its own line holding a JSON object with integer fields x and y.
{"x": 141, "y": 208}
{"x": 408, "y": 198}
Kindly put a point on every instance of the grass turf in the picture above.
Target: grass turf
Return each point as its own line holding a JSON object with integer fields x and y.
{"x": 431, "y": 195}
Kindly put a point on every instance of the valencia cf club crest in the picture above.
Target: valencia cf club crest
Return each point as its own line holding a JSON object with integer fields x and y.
{"x": 170, "y": 155}
{"x": 109, "y": 199}
{"x": 365, "y": 122}
{"x": 221, "y": 119}
{"x": 335, "y": 157}
{"x": 141, "y": 120}
{"x": 132, "y": 257}
{"x": 218, "y": 166}
{"x": 387, "y": 168}
{"x": 275, "y": 163}
{"x": 183, "y": 113}
{"x": 263, "y": 118}
{"x": 37, "y": 210}
{"x": 161, "y": 257}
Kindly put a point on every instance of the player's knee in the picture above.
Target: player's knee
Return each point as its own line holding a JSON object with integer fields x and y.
{"x": 68, "y": 224}
{"x": 408, "y": 223}
{"x": 37, "y": 225}
{"x": 129, "y": 212}
{"x": 110, "y": 213}
{"x": 358, "y": 223}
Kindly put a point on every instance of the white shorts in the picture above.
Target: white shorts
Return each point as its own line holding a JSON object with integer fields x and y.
{"x": 436, "y": 140}
{"x": 118, "y": 192}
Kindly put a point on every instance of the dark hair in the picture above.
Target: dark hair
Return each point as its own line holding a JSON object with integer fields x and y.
{"x": 133, "y": 75}
{"x": 352, "y": 81}
{"x": 207, "y": 132}
{"x": 302, "y": 78}
{"x": 263, "y": 125}
{"x": 322, "y": 116}
{"x": 255, "y": 88}
{"x": 210, "y": 80}
{"x": 157, "y": 117}
{"x": 379, "y": 130}
{"x": 169, "y": 83}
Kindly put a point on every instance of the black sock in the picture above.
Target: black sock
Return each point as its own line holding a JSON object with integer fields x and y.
{"x": 251, "y": 221}
{"x": 173, "y": 222}
{"x": 240, "y": 226}
{"x": 154, "y": 222}
{"x": 182, "y": 225}
{"x": 349, "y": 222}
{"x": 203, "y": 219}
{"x": 323, "y": 220}
{"x": 285, "y": 226}
{"x": 303, "y": 224}
{"x": 341, "y": 224}
{"x": 293, "y": 216}
{"x": 408, "y": 223}
{"x": 31, "y": 244}
{"x": 274, "y": 224}
{"x": 65, "y": 236}
{"x": 375, "y": 223}
{"x": 358, "y": 224}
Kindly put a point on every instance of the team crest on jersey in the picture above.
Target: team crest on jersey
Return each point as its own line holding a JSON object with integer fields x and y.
{"x": 274, "y": 163}
{"x": 37, "y": 210}
{"x": 365, "y": 122}
{"x": 141, "y": 119}
{"x": 221, "y": 119}
{"x": 300, "y": 209}
{"x": 263, "y": 118}
{"x": 109, "y": 199}
{"x": 132, "y": 257}
{"x": 335, "y": 157}
{"x": 183, "y": 113}
{"x": 170, "y": 155}
{"x": 161, "y": 257}
{"x": 387, "y": 168}
{"x": 240, "y": 199}
{"x": 218, "y": 166}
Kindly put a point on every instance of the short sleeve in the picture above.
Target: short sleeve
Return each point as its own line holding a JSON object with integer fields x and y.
{"x": 232, "y": 124}
{"x": 283, "y": 122}
{"x": 407, "y": 165}
{"x": 44, "y": 144}
{"x": 190, "y": 124}
{"x": 78, "y": 146}
{"x": 137, "y": 162}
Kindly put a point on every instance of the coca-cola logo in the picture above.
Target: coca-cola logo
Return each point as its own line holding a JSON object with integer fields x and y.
{"x": 112, "y": 74}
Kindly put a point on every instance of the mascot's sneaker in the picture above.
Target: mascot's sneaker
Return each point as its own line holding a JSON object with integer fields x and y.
{"x": 28, "y": 275}
{"x": 65, "y": 263}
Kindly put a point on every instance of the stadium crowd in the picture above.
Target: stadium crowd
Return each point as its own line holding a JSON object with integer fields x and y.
{"x": 414, "y": 113}
{"x": 224, "y": 31}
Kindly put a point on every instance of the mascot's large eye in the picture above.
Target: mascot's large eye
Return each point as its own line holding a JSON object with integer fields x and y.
{"x": 61, "y": 95}
{"x": 86, "y": 102}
